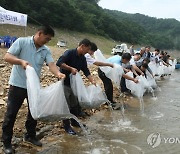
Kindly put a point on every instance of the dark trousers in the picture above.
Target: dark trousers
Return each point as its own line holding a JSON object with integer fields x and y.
{"x": 108, "y": 86}
{"x": 123, "y": 85}
{"x": 16, "y": 97}
{"x": 73, "y": 104}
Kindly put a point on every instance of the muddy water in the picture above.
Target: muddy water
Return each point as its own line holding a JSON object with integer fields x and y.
{"x": 108, "y": 133}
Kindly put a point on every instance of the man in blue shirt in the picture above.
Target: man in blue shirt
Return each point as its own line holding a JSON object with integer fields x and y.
{"x": 72, "y": 61}
{"x": 23, "y": 52}
{"x": 108, "y": 86}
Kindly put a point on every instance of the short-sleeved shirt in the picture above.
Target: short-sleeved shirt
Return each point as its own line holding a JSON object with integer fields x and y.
{"x": 24, "y": 48}
{"x": 115, "y": 60}
{"x": 132, "y": 61}
{"x": 89, "y": 59}
{"x": 73, "y": 59}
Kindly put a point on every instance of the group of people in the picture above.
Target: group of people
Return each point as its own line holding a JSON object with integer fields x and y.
{"x": 32, "y": 51}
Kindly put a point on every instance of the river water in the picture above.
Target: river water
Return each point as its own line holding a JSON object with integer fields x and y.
{"x": 109, "y": 134}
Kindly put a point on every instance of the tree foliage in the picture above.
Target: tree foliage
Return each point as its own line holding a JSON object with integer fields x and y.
{"x": 87, "y": 16}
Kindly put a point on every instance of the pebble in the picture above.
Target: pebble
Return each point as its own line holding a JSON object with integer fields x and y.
{"x": 2, "y": 65}
{"x": 2, "y": 102}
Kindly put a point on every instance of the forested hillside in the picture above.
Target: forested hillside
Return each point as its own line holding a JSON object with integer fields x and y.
{"x": 87, "y": 16}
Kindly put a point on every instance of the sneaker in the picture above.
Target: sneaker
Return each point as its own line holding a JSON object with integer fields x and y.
{"x": 32, "y": 140}
{"x": 76, "y": 124}
{"x": 82, "y": 114}
{"x": 113, "y": 104}
{"x": 7, "y": 148}
{"x": 69, "y": 130}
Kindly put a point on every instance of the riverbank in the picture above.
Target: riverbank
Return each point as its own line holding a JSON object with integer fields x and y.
{"x": 45, "y": 130}
{"x": 53, "y": 133}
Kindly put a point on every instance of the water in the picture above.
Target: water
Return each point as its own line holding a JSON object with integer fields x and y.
{"x": 141, "y": 102}
{"x": 128, "y": 134}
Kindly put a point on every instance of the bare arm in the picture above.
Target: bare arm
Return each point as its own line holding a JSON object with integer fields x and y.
{"x": 134, "y": 71}
{"x": 103, "y": 64}
{"x": 130, "y": 78}
{"x": 165, "y": 63}
{"x": 137, "y": 69}
{"x": 14, "y": 60}
{"x": 54, "y": 69}
{"x": 69, "y": 68}
{"x": 126, "y": 70}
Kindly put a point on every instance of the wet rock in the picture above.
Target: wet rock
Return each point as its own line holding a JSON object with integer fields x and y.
{"x": 16, "y": 140}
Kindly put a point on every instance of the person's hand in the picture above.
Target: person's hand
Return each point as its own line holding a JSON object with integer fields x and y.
{"x": 136, "y": 80}
{"x": 127, "y": 70}
{"x": 74, "y": 71}
{"x": 111, "y": 65}
{"x": 93, "y": 82}
{"x": 24, "y": 64}
{"x": 61, "y": 75}
{"x": 142, "y": 74}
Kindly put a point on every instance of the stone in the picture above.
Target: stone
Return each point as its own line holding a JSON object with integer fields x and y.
{"x": 2, "y": 65}
{"x": 5, "y": 99}
{"x": 1, "y": 91}
{"x": 2, "y": 102}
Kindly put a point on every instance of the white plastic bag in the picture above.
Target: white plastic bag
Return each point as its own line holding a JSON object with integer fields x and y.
{"x": 45, "y": 102}
{"x": 114, "y": 73}
{"x": 88, "y": 97}
{"x": 151, "y": 80}
{"x": 154, "y": 67}
{"x": 137, "y": 89}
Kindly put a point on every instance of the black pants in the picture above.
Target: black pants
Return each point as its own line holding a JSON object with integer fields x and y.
{"x": 16, "y": 97}
{"x": 108, "y": 86}
{"x": 123, "y": 85}
{"x": 73, "y": 104}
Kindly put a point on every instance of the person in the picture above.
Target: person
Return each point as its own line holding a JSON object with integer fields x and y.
{"x": 71, "y": 62}
{"x": 147, "y": 53}
{"x": 143, "y": 68}
{"x": 142, "y": 52}
{"x": 131, "y": 49}
{"x": 25, "y": 51}
{"x": 135, "y": 62}
{"x": 108, "y": 83}
{"x": 91, "y": 61}
{"x": 164, "y": 59}
{"x": 155, "y": 56}
{"x": 147, "y": 61}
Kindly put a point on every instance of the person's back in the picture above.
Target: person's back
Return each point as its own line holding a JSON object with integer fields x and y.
{"x": 115, "y": 60}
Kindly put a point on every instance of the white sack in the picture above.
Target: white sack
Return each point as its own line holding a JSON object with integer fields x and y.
{"x": 137, "y": 89}
{"x": 45, "y": 102}
{"x": 88, "y": 97}
{"x": 114, "y": 73}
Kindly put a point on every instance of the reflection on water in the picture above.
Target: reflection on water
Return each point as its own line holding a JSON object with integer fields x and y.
{"x": 126, "y": 132}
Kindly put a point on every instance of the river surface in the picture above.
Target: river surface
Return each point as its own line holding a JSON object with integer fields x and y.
{"x": 108, "y": 133}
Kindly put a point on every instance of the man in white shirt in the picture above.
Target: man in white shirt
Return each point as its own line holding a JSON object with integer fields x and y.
{"x": 90, "y": 60}
{"x": 107, "y": 82}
